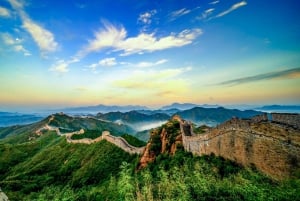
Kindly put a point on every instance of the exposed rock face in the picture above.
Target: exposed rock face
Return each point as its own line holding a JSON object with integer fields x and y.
{"x": 147, "y": 157}
{"x": 274, "y": 149}
{"x": 163, "y": 140}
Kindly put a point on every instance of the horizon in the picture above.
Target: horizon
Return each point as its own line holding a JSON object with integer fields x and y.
{"x": 238, "y": 52}
{"x": 50, "y": 110}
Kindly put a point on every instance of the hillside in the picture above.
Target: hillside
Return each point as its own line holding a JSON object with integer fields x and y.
{"x": 133, "y": 117}
{"x": 49, "y": 168}
{"x": 51, "y": 162}
{"x": 70, "y": 123}
{"x": 214, "y": 116}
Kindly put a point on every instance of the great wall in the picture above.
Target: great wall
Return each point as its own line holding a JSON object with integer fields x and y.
{"x": 118, "y": 141}
{"x": 270, "y": 142}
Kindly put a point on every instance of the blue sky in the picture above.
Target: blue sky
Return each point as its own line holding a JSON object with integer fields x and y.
{"x": 55, "y": 54}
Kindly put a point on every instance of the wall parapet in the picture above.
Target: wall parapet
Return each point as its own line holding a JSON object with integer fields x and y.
{"x": 287, "y": 118}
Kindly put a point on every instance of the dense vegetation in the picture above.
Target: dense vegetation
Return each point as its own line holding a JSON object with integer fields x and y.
{"x": 49, "y": 168}
{"x": 133, "y": 140}
{"x": 50, "y": 163}
{"x": 92, "y": 134}
{"x": 200, "y": 129}
{"x": 181, "y": 177}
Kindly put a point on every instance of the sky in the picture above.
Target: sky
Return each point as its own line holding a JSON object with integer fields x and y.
{"x": 78, "y": 52}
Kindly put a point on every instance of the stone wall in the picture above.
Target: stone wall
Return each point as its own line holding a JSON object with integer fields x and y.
{"x": 123, "y": 144}
{"x": 260, "y": 118}
{"x": 273, "y": 149}
{"x": 288, "y": 119}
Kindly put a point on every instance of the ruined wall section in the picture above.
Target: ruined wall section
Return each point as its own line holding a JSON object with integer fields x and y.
{"x": 288, "y": 119}
{"x": 273, "y": 149}
{"x": 260, "y": 118}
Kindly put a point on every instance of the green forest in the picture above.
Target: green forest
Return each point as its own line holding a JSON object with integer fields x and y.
{"x": 49, "y": 168}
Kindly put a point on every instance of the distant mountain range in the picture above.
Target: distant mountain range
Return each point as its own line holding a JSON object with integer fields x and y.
{"x": 186, "y": 106}
{"x": 280, "y": 108}
{"x": 214, "y": 116}
{"x": 101, "y": 108}
{"x": 133, "y": 117}
{"x": 209, "y": 114}
{"x": 167, "y": 109}
{"x": 9, "y": 119}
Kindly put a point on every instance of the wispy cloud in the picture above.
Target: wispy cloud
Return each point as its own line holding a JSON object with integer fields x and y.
{"x": 4, "y": 12}
{"x": 62, "y": 66}
{"x": 214, "y": 2}
{"x": 284, "y": 74}
{"x": 206, "y": 13}
{"x": 178, "y": 13}
{"x": 146, "y": 17}
{"x": 232, "y": 8}
{"x": 16, "y": 4}
{"x": 155, "y": 82}
{"x": 146, "y": 64}
{"x": 107, "y": 62}
{"x": 8, "y": 39}
{"x": 116, "y": 38}
{"x": 20, "y": 48}
{"x": 42, "y": 37}
{"x": 14, "y": 44}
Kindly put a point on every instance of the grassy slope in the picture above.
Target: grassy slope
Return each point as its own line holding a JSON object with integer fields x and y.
{"x": 30, "y": 167}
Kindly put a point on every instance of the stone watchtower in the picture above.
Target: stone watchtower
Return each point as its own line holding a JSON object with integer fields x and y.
{"x": 105, "y": 133}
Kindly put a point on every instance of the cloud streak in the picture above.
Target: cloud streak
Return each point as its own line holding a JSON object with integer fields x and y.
{"x": 178, "y": 13}
{"x": 42, "y": 37}
{"x": 150, "y": 64}
{"x": 290, "y": 74}
{"x": 4, "y": 12}
{"x": 207, "y": 13}
{"x": 232, "y": 8}
{"x": 214, "y": 2}
{"x": 15, "y": 44}
{"x": 116, "y": 38}
{"x": 158, "y": 83}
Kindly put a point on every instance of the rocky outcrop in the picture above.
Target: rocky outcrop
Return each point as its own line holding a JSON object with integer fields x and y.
{"x": 147, "y": 157}
{"x": 162, "y": 140}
